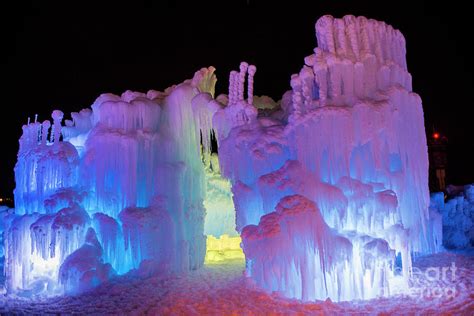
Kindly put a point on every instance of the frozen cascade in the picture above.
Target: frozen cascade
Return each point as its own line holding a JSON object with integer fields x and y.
{"x": 293, "y": 252}
{"x": 6, "y": 216}
{"x": 142, "y": 228}
{"x": 38, "y": 243}
{"x": 18, "y": 252}
{"x": 111, "y": 166}
{"x": 109, "y": 233}
{"x": 41, "y": 170}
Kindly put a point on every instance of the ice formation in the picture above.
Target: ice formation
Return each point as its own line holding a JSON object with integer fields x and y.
{"x": 327, "y": 187}
{"x": 350, "y": 138}
{"x": 457, "y": 217}
{"x": 84, "y": 268}
{"x": 128, "y": 173}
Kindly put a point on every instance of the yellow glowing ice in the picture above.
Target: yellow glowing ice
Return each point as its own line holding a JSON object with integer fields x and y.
{"x": 223, "y": 248}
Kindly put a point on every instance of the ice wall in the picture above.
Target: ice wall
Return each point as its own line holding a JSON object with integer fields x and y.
{"x": 349, "y": 137}
{"x": 43, "y": 166}
{"x": 6, "y": 216}
{"x": 120, "y": 187}
{"x": 148, "y": 234}
{"x": 383, "y": 138}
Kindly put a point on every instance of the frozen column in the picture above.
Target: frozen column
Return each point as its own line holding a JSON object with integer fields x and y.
{"x": 57, "y": 118}
{"x": 235, "y": 86}
{"x": 44, "y": 132}
{"x": 251, "y": 71}
{"x": 231, "y": 87}
{"x": 243, "y": 70}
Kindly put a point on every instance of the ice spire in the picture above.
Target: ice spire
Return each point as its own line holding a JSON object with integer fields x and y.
{"x": 44, "y": 131}
{"x": 243, "y": 71}
{"x": 235, "y": 87}
{"x": 231, "y": 83}
{"x": 57, "y": 118}
{"x": 251, "y": 73}
{"x": 232, "y": 79}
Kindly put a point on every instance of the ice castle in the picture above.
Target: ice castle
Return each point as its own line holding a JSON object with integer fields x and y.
{"x": 325, "y": 191}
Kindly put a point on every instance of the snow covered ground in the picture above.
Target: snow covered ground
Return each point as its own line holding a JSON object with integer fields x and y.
{"x": 223, "y": 289}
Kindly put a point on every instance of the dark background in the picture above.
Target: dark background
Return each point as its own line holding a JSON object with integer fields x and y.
{"x": 63, "y": 55}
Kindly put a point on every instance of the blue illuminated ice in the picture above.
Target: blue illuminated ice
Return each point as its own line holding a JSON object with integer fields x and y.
{"x": 457, "y": 217}
{"x": 84, "y": 268}
{"x": 128, "y": 173}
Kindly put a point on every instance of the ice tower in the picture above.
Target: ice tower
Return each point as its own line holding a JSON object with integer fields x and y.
{"x": 332, "y": 188}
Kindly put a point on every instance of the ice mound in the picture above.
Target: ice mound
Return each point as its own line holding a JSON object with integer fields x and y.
{"x": 294, "y": 252}
{"x": 83, "y": 269}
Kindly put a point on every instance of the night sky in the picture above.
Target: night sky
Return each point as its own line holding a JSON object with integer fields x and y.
{"x": 62, "y": 56}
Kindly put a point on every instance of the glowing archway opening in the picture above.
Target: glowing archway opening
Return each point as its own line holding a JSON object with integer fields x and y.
{"x": 223, "y": 241}
{"x": 223, "y": 248}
